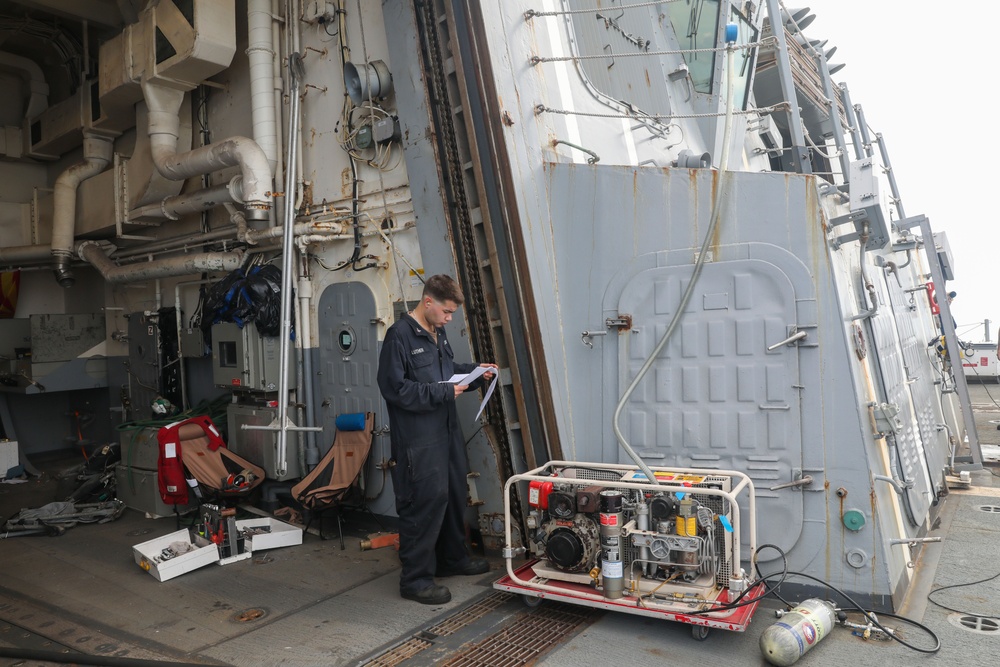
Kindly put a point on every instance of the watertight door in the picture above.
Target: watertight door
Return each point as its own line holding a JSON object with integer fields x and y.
{"x": 716, "y": 397}
{"x": 348, "y": 353}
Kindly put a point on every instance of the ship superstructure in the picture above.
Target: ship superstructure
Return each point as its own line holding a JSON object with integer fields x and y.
{"x": 676, "y": 233}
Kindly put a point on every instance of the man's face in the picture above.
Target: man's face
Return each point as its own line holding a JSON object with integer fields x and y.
{"x": 439, "y": 313}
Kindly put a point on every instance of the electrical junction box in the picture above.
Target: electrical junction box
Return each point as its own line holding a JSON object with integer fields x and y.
{"x": 192, "y": 343}
{"x": 944, "y": 255}
{"x": 243, "y": 359}
{"x": 387, "y": 130}
{"x": 867, "y": 202}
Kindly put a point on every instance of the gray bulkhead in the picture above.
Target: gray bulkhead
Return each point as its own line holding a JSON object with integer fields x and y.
{"x": 614, "y": 240}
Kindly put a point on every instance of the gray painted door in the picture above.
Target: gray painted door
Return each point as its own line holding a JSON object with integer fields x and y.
{"x": 348, "y": 356}
{"x": 716, "y": 397}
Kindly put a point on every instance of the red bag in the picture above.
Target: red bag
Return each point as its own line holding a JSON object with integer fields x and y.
{"x": 170, "y": 468}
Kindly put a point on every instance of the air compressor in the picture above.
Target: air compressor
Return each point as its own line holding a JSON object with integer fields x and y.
{"x": 604, "y": 535}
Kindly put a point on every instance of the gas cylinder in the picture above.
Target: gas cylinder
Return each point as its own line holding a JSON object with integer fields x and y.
{"x": 798, "y": 631}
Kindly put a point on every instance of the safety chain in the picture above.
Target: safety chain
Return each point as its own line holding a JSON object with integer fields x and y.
{"x": 531, "y": 13}
{"x": 762, "y": 111}
{"x": 483, "y": 341}
{"x": 534, "y": 60}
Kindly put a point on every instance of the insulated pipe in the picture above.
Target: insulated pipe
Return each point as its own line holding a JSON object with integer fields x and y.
{"x": 25, "y": 253}
{"x": 96, "y": 157}
{"x": 182, "y": 265}
{"x": 261, "y": 54}
{"x": 164, "y": 105}
{"x": 276, "y": 81}
{"x": 327, "y": 229}
{"x": 38, "y": 90}
{"x": 173, "y": 208}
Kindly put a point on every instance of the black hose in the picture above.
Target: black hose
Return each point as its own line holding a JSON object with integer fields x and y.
{"x": 84, "y": 659}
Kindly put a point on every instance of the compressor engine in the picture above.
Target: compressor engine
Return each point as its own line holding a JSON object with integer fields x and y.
{"x": 657, "y": 536}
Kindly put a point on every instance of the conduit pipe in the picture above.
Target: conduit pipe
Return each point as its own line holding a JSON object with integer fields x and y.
{"x": 182, "y": 265}
{"x": 96, "y": 157}
{"x": 164, "y": 105}
{"x": 260, "y": 52}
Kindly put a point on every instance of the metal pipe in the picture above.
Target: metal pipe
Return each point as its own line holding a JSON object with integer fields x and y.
{"x": 887, "y": 166}
{"x": 164, "y": 104}
{"x": 866, "y": 139}
{"x": 177, "y": 242}
{"x": 182, "y": 265}
{"x": 305, "y": 295}
{"x": 852, "y": 120}
{"x": 799, "y": 153}
{"x": 96, "y": 157}
{"x": 296, "y": 72}
{"x": 838, "y": 127}
{"x": 25, "y": 253}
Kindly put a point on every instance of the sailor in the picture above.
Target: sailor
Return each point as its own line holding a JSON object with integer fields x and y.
{"x": 431, "y": 465}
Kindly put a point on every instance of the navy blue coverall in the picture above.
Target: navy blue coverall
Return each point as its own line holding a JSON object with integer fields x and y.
{"x": 429, "y": 477}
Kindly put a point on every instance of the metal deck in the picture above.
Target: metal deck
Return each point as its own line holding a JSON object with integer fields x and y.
{"x": 316, "y": 605}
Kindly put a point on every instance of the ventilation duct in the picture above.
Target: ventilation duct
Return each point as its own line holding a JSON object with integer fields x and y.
{"x": 96, "y": 157}
{"x": 163, "y": 104}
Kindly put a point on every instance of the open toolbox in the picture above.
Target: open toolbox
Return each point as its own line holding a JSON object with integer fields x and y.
{"x": 218, "y": 538}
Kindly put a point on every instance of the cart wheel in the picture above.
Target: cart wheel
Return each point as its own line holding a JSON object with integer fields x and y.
{"x": 531, "y": 601}
{"x": 699, "y": 632}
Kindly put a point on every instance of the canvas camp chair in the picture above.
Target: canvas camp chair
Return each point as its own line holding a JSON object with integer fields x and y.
{"x": 328, "y": 485}
{"x": 221, "y": 474}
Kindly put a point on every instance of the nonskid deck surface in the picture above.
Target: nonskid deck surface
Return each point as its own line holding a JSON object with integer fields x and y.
{"x": 316, "y": 604}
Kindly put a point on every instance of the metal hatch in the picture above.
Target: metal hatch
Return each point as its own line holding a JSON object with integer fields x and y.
{"x": 718, "y": 398}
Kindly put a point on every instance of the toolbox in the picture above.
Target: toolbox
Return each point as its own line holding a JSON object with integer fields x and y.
{"x": 280, "y": 534}
{"x": 155, "y": 557}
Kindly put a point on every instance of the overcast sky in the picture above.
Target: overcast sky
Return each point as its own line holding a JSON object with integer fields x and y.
{"x": 924, "y": 74}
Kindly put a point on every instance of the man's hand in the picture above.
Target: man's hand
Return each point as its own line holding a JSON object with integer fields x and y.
{"x": 459, "y": 388}
{"x": 488, "y": 375}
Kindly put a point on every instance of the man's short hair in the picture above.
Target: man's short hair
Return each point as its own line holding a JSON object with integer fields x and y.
{"x": 441, "y": 287}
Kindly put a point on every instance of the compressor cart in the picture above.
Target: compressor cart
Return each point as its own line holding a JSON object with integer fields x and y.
{"x": 605, "y": 536}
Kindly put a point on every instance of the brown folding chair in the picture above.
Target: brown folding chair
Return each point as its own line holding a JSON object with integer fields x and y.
{"x": 329, "y": 484}
{"x": 222, "y": 474}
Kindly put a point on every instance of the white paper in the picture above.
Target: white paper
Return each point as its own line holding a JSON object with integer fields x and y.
{"x": 469, "y": 377}
{"x": 489, "y": 392}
